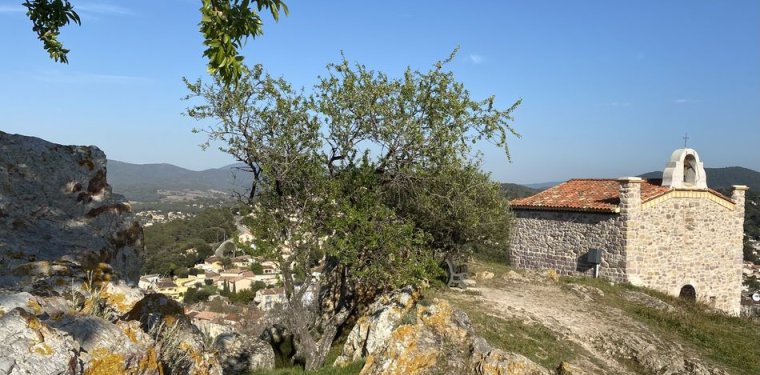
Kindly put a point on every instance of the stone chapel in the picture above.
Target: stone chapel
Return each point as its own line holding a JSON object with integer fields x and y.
{"x": 672, "y": 234}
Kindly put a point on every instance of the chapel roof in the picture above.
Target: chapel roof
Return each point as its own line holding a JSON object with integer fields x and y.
{"x": 589, "y": 195}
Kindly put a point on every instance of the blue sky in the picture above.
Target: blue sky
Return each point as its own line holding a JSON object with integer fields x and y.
{"x": 609, "y": 88}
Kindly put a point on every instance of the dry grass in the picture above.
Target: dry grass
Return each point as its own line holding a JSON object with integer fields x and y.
{"x": 730, "y": 342}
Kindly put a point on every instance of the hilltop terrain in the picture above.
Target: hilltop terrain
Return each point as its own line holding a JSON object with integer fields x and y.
{"x": 69, "y": 306}
{"x": 602, "y": 327}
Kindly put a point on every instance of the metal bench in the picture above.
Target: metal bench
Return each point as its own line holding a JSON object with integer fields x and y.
{"x": 456, "y": 274}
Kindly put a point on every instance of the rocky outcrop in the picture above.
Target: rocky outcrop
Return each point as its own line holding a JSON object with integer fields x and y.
{"x": 442, "y": 341}
{"x": 398, "y": 336}
{"x": 69, "y": 254}
{"x": 31, "y": 347}
{"x": 243, "y": 354}
{"x": 373, "y": 329}
{"x": 56, "y": 208}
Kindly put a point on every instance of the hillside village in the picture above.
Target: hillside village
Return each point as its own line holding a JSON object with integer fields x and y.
{"x": 229, "y": 297}
{"x": 384, "y": 204}
{"x": 226, "y": 272}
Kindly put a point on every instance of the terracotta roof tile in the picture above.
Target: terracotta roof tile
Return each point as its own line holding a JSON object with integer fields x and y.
{"x": 599, "y": 195}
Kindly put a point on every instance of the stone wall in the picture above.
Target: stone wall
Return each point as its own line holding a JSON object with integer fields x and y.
{"x": 689, "y": 240}
{"x": 561, "y": 239}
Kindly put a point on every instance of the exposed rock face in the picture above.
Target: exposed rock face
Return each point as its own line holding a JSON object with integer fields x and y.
{"x": 372, "y": 330}
{"x": 397, "y": 336}
{"x": 31, "y": 347}
{"x": 242, "y": 354}
{"x": 56, "y": 206}
{"x": 442, "y": 341}
{"x": 110, "y": 348}
{"x": 69, "y": 250}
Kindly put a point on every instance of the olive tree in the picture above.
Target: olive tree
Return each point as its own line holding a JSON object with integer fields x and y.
{"x": 373, "y": 177}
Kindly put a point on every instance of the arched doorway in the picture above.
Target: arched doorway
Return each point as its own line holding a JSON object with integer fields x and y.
{"x": 688, "y": 293}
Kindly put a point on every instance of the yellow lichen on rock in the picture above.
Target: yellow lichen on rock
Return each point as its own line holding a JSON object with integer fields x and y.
{"x": 105, "y": 362}
{"x": 437, "y": 315}
{"x": 130, "y": 333}
{"x": 150, "y": 362}
{"x": 34, "y": 306}
{"x": 41, "y": 349}
{"x": 116, "y": 300}
{"x": 403, "y": 355}
{"x": 33, "y": 323}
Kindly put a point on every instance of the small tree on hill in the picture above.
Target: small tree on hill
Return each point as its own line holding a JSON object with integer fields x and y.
{"x": 377, "y": 175}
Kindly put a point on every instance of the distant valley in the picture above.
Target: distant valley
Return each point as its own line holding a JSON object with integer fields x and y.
{"x": 166, "y": 182}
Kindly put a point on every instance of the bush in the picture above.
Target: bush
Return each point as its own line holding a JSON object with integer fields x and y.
{"x": 257, "y": 269}
{"x": 195, "y": 295}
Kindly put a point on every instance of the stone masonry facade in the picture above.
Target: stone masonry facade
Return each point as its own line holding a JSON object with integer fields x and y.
{"x": 561, "y": 239}
{"x": 679, "y": 238}
{"x": 689, "y": 239}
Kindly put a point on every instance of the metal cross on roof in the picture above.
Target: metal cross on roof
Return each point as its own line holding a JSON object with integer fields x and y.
{"x": 685, "y": 139}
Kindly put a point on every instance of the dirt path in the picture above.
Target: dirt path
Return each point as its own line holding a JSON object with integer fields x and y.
{"x": 617, "y": 342}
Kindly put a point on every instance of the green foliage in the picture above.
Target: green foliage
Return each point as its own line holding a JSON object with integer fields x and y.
{"x": 461, "y": 209}
{"x": 377, "y": 174}
{"x": 244, "y": 296}
{"x": 48, "y": 16}
{"x": 195, "y": 295}
{"x": 752, "y": 215}
{"x": 225, "y": 25}
{"x": 752, "y": 283}
{"x": 168, "y": 245}
{"x": 514, "y": 191}
{"x": 749, "y": 252}
{"x": 283, "y": 366}
{"x": 257, "y": 269}
{"x": 247, "y": 220}
{"x": 353, "y": 368}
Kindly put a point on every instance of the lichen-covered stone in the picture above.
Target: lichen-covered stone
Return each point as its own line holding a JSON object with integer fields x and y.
{"x": 121, "y": 297}
{"x": 442, "y": 341}
{"x": 372, "y": 330}
{"x": 106, "y": 346}
{"x": 243, "y": 354}
{"x": 29, "y": 346}
{"x": 69, "y": 250}
{"x": 46, "y": 193}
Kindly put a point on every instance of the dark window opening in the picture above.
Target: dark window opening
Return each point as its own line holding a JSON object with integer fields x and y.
{"x": 688, "y": 293}
{"x": 689, "y": 170}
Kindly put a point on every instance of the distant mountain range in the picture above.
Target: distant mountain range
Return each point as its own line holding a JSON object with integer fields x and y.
{"x": 141, "y": 182}
{"x": 514, "y": 191}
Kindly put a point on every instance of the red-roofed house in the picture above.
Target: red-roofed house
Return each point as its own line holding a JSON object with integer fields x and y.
{"x": 675, "y": 234}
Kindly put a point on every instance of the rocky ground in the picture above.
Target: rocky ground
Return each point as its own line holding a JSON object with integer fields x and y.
{"x": 602, "y": 338}
{"x": 523, "y": 323}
